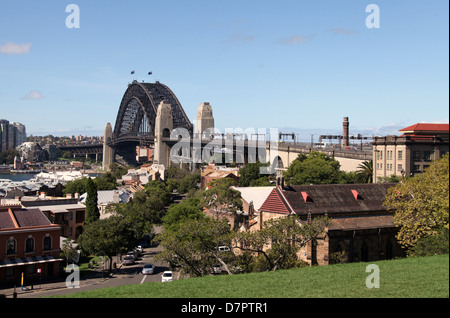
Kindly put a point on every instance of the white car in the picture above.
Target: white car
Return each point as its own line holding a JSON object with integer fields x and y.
{"x": 148, "y": 269}
{"x": 167, "y": 276}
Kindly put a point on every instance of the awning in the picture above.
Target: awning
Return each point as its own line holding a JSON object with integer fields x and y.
{"x": 28, "y": 261}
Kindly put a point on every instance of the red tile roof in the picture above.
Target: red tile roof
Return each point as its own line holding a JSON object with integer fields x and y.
{"x": 426, "y": 127}
{"x": 275, "y": 203}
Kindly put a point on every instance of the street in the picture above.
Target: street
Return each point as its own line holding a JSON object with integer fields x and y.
{"x": 123, "y": 275}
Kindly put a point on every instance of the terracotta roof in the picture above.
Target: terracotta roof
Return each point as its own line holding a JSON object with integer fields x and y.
{"x": 426, "y": 127}
{"x": 275, "y": 203}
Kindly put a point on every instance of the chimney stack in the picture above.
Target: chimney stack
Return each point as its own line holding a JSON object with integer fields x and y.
{"x": 345, "y": 125}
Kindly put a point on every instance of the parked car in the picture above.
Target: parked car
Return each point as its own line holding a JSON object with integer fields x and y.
{"x": 148, "y": 269}
{"x": 167, "y": 276}
{"x": 133, "y": 254}
{"x": 128, "y": 260}
{"x": 140, "y": 249}
{"x": 224, "y": 249}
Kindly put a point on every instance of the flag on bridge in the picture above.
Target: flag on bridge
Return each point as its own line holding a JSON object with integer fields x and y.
{"x": 132, "y": 72}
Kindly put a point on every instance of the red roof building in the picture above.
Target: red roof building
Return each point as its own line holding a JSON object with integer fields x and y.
{"x": 361, "y": 228}
{"x": 29, "y": 244}
{"x": 410, "y": 153}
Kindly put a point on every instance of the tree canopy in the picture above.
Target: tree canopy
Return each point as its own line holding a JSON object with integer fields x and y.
{"x": 315, "y": 168}
{"x": 108, "y": 237}
{"x": 92, "y": 212}
{"x": 421, "y": 203}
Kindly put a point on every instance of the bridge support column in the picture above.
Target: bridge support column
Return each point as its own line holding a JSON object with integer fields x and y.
{"x": 108, "y": 152}
{"x": 163, "y": 128}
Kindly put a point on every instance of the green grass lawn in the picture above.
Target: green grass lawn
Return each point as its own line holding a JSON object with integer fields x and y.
{"x": 413, "y": 277}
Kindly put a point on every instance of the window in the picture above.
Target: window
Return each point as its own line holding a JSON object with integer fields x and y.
{"x": 400, "y": 155}
{"x": 399, "y": 167}
{"x": 416, "y": 168}
{"x": 427, "y": 155}
{"x": 47, "y": 243}
{"x": 29, "y": 245}
{"x": 11, "y": 246}
{"x": 416, "y": 155}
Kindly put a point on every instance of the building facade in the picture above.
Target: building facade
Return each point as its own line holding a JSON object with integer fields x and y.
{"x": 12, "y": 134}
{"x": 361, "y": 228}
{"x": 69, "y": 214}
{"x": 410, "y": 153}
{"x": 29, "y": 246}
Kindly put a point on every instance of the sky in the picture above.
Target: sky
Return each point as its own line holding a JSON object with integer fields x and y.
{"x": 291, "y": 64}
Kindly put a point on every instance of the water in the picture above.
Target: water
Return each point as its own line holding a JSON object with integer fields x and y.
{"x": 17, "y": 176}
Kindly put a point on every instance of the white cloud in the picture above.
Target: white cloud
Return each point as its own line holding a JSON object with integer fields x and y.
{"x": 11, "y": 48}
{"x": 32, "y": 95}
{"x": 295, "y": 39}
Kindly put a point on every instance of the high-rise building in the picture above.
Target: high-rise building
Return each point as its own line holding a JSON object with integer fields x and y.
{"x": 11, "y": 134}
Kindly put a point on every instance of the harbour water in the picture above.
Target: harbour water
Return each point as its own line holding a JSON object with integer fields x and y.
{"x": 17, "y": 176}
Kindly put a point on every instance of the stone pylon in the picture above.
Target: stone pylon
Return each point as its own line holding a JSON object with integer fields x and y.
{"x": 163, "y": 129}
{"x": 108, "y": 152}
{"x": 204, "y": 123}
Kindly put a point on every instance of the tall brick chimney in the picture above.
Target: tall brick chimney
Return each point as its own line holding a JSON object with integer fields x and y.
{"x": 345, "y": 132}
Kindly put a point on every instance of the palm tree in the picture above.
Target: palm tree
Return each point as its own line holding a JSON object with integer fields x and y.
{"x": 365, "y": 172}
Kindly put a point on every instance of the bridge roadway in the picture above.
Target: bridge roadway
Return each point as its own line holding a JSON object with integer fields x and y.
{"x": 349, "y": 158}
{"x": 287, "y": 151}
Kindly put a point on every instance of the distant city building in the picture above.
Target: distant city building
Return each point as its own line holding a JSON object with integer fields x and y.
{"x": 410, "y": 153}
{"x": 11, "y": 134}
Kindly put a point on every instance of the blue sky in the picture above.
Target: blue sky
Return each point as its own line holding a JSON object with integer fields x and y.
{"x": 293, "y": 65}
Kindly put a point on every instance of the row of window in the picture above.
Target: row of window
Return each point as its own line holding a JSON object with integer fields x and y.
{"x": 11, "y": 245}
{"x": 417, "y": 155}
{"x": 390, "y": 166}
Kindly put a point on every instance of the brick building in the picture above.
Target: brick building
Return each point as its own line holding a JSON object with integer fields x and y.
{"x": 361, "y": 228}
{"x": 69, "y": 214}
{"x": 29, "y": 244}
{"x": 411, "y": 152}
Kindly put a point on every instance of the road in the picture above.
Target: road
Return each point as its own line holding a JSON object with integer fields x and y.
{"x": 124, "y": 275}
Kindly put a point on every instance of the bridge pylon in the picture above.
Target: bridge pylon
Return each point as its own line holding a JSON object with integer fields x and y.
{"x": 163, "y": 129}
{"x": 108, "y": 152}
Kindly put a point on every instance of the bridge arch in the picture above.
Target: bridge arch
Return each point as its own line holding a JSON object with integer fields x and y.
{"x": 138, "y": 109}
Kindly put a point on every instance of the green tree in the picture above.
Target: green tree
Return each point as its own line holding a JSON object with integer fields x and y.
{"x": 188, "y": 182}
{"x": 68, "y": 251}
{"x": 220, "y": 197}
{"x": 284, "y": 236}
{"x": 145, "y": 209}
{"x": 194, "y": 246}
{"x": 179, "y": 213}
{"x": 107, "y": 237}
{"x": 76, "y": 186}
{"x": 249, "y": 175}
{"x": 92, "y": 212}
{"x": 315, "y": 168}
{"x": 421, "y": 203}
{"x": 365, "y": 172}
{"x": 107, "y": 181}
{"x": 7, "y": 156}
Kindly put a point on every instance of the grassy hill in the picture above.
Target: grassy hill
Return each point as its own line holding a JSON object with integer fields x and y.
{"x": 403, "y": 278}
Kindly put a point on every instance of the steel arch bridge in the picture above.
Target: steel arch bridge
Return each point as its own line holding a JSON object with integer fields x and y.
{"x": 137, "y": 112}
{"x": 135, "y": 122}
